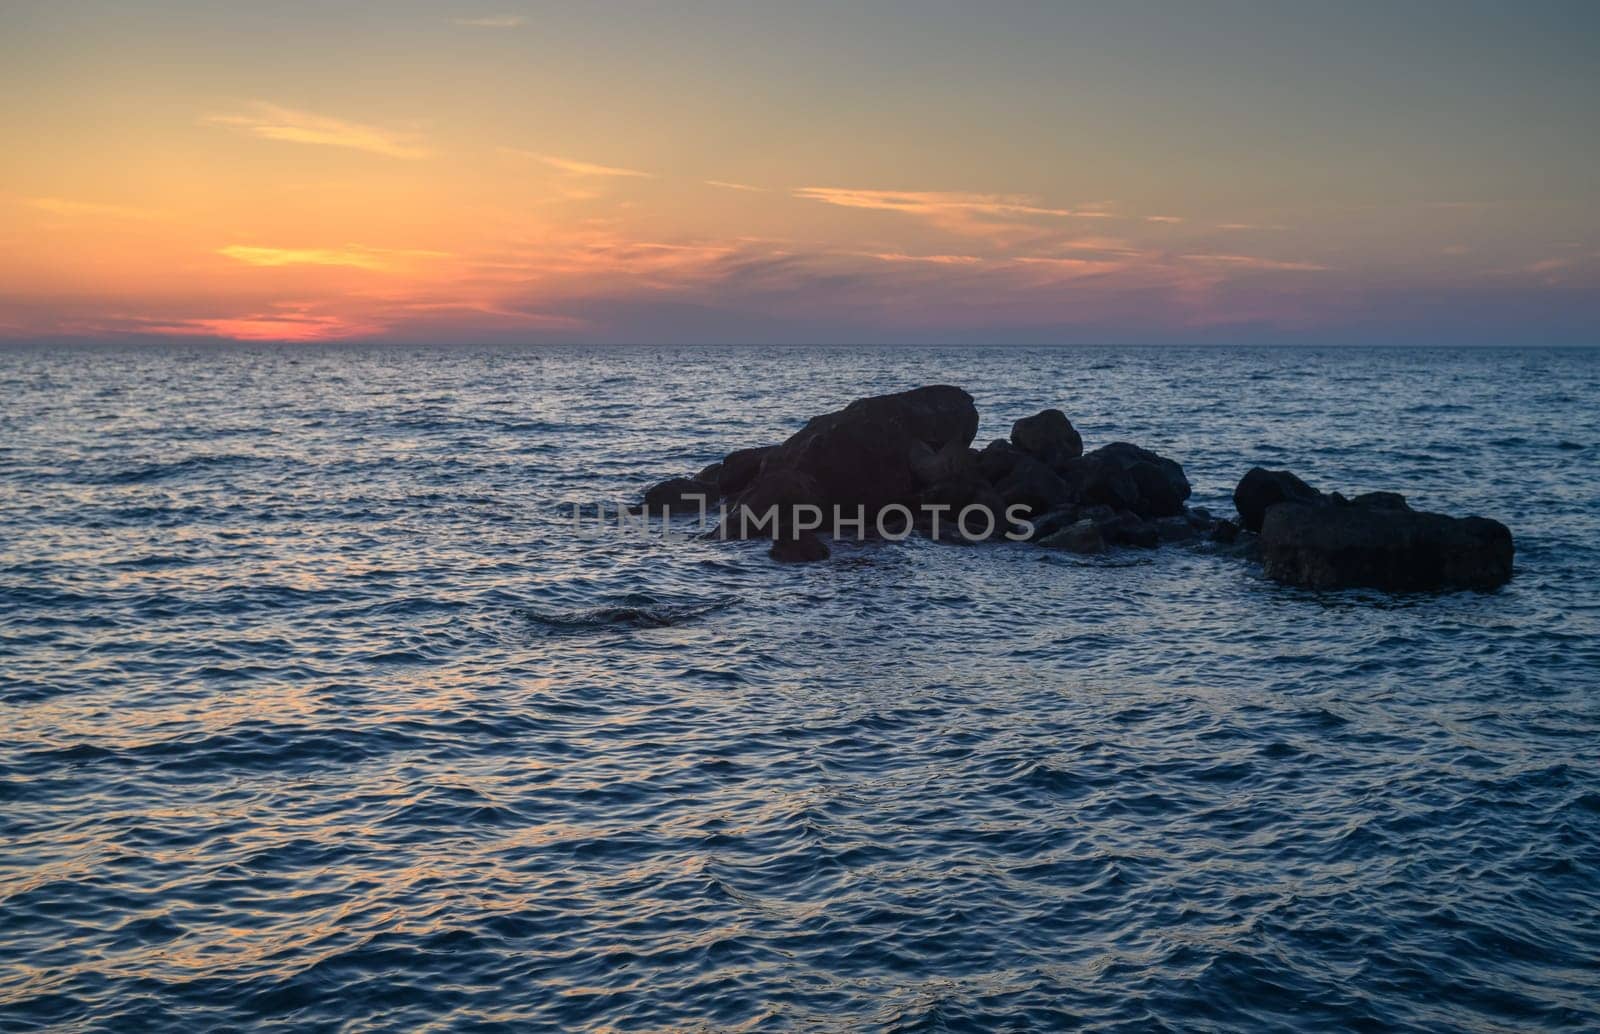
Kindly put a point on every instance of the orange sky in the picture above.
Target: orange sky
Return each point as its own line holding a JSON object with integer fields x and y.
{"x": 422, "y": 172}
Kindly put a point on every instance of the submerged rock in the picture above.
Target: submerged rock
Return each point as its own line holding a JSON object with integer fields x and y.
{"x": 1048, "y": 524}
{"x": 1079, "y": 537}
{"x": 1177, "y": 529}
{"x": 804, "y": 548}
{"x": 1382, "y": 547}
{"x": 1126, "y": 528}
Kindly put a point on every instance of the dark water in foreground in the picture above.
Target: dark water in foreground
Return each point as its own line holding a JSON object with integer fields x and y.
{"x": 313, "y": 715}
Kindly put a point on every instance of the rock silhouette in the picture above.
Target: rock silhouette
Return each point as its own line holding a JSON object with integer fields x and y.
{"x": 1260, "y": 488}
{"x": 1375, "y": 540}
{"x": 888, "y": 465}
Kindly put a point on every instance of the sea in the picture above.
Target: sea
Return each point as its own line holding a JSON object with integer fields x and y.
{"x": 317, "y": 712}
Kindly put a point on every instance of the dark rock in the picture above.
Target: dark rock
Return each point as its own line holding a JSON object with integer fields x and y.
{"x": 954, "y": 462}
{"x": 998, "y": 459}
{"x": 1175, "y": 529}
{"x": 1199, "y": 517}
{"x": 954, "y": 493}
{"x": 1033, "y": 485}
{"x": 1129, "y": 529}
{"x": 1260, "y": 489}
{"x": 805, "y": 548}
{"x": 935, "y": 415}
{"x": 1127, "y": 477}
{"x": 862, "y": 455}
{"x": 1224, "y": 531}
{"x": 740, "y": 467}
{"x": 769, "y": 507}
{"x": 1381, "y": 501}
{"x": 681, "y": 495}
{"x": 987, "y": 498}
{"x": 1328, "y": 547}
{"x": 711, "y": 474}
{"x": 1050, "y": 523}
{"x": 1078, "y": 537}
{"x": 1048, "y": 437}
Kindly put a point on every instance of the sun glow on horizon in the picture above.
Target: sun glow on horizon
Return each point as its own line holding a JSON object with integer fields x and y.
{"x": 635, "y": 207}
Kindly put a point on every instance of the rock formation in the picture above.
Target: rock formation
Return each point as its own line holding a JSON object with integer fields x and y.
{"x": 1375, "y": 540}
{"x": 893, "y": 464}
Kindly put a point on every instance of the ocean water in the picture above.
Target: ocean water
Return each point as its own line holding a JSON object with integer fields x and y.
{"x": 315, "y": 712}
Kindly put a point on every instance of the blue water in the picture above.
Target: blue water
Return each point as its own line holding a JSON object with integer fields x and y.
{"x": 315, "y": 714}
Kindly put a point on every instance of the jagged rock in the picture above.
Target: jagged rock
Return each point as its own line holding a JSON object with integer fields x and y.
{"x": 1261, "y": 488}
{"x": 1048, "y": 437}
{"x": 1079, "y": 537}
{"x": 1382, "y": 547}
{"x": 1127, "y": 477}
{"x": 1225, "y": 532}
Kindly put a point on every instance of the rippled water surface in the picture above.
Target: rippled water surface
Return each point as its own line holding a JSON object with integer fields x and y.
{"x": 314, "y": 713}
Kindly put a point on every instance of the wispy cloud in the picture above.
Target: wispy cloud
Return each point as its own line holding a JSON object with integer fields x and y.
{"x": 1108, "y": 245}
{"x": 937, "y": 260}
{"x": 573, "y": 167}
{"x": 929, "y": 202}
{"x": 274, "y": 122}
{"x": 1163, "y": 218}
{"x": 1072, "y": 267}
{"x": 65, "y": 206}
{"x": 1549, "y": 265}
{"x": 1004, "y": 220}
{"x": 353, "y": 256}
{"x": 726, "y": 185}
{"x": 493, "y": 21}
{"x": 1254, "y": 262}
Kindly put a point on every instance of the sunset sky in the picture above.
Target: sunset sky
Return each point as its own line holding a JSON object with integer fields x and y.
{"x": 831, "y": 172}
